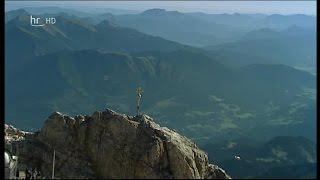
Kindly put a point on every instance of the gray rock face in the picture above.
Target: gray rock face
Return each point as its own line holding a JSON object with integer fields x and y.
{"x": 111, "y": 145}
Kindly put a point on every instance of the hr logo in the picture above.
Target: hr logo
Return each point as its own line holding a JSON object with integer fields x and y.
{"x": 37, "y": 21}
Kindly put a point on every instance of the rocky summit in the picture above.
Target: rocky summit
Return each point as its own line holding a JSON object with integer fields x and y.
{"x": 111, "y": 145}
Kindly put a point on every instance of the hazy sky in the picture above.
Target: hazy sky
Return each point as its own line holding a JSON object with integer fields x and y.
{"x": 267, "y": 7}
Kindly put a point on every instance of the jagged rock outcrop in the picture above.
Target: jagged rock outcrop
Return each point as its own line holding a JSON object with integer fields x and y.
{"x": 111, "y": 145}
{"x": 13, "y": 134}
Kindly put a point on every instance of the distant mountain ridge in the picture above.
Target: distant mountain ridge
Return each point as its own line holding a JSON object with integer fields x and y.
{"x": 294, "y": 46}
{"x": 197, "y": 29}
{"x": 74, "y": 30}
{"x": 74, "y": 34}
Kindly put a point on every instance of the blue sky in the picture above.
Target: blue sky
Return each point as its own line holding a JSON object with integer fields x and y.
{"x": 213, "y": 7}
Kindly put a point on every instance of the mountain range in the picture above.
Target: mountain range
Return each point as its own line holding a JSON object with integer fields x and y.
{"x": 294, "y": 46}
{"x": 252, "y": 86}
{"x": 196, "y": 29}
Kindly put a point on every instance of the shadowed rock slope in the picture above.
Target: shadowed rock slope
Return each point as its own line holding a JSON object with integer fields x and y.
{"x": 112, "y": 145}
